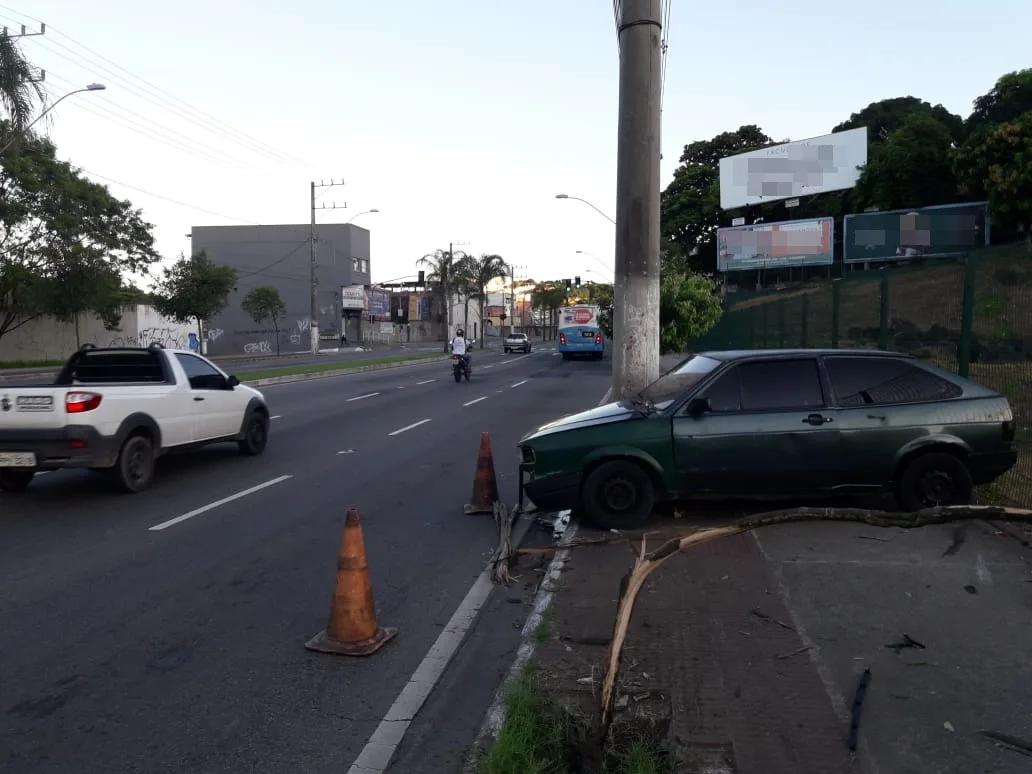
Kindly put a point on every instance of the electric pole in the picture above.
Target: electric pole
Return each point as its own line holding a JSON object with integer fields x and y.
{"x": 313, "y": 262}
{"x": 637, "y": 270}
{"x": 24, "y": 32}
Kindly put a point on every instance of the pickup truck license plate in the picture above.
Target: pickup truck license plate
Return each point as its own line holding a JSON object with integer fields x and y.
{"x": 17, "y": 460}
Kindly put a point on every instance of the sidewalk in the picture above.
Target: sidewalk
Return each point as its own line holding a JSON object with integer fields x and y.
{"x": 737, "y": 690}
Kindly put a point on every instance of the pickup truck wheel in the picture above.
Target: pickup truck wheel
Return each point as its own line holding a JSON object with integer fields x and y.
{"x": 934, "y": 479}
{"x": 618, "y": 495}
{"x": 256, "y": 435}
{"x": 134, "y": 468}
{"x": 15, "y": 480}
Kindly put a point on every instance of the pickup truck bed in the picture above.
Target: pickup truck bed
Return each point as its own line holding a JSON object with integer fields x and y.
{"x": 119, "y": 409}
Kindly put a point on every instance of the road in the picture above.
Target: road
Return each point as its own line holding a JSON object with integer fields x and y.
{"x": 127, "y": 648}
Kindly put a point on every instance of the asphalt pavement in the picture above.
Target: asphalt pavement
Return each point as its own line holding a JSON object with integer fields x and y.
{"x": 164, "y": 631}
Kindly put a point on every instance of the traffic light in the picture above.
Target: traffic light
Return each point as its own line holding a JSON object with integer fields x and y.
{"x": 576, "y": 282}
{"x": 422, "y": 278}
{"x": 566, "y": 284}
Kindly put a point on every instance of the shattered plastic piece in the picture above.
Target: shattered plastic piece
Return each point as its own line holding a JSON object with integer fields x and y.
{"x": 560, "y": 525}
{"x": 948, "y": 726}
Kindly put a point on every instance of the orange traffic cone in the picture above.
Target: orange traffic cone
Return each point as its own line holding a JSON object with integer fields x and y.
{"x": 352, "y": 629}
{"x": 485, "y": 485}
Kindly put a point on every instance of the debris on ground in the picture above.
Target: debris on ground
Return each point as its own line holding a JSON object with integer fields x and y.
{"x": 858, "y": 706}
{"x": 906, "y": 642}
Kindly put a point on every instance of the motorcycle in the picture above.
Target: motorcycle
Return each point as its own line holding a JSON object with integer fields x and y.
{"x": 460, "y": 368}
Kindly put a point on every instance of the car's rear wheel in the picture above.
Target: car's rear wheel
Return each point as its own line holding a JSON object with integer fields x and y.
{"x": 15, "y": 480}
{"x": 934, "y": 479}
{"x": 256, "y": 434}
{"x": 134, "y": 468}
{"x": 618, "y": 495}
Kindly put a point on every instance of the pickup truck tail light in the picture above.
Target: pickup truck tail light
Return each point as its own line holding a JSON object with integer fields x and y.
{"x": 1008, "y": 431}
{"x": 562, "y": 338}
{"x": 598, "y": 338}
{"x": 79, "y": 402}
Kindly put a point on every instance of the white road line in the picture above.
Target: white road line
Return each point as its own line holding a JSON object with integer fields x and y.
{"x": 362, "y": 397}
{"x": 484, "y": 368}
{"x": 477, "y": 400}
{"x": 401, "y": 430}
{"x": 555, "y": 354}
{"x": 426, "y": 381}
{"x": 519, "y": 383}
{"x": 378, "y": 751}
{"x": 276, "y": 417}
{"x": 218, "y": 503}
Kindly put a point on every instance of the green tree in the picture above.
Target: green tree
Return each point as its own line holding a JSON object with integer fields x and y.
{"x": 21, "y": 91}
{"x": 886, "y": 116}
{"x": 1008, "y": 100}
{"x": 601, "y": 295}
{"x": 911, "y": 167}
{"x": 265, "y": 305}
{"x": 66, "y": 243}
{"x": 998, "y": 161}
{"x": 194, "y": 288}
{"x": 444, "y": 272}
{"x": 481, "y": 272}
{"x": 689, "y": 305}
{"x": 690, "y": 206}
{"x": 548, "y": 298}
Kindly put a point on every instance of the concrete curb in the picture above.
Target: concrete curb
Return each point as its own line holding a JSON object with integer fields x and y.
{"x": 330, "y": 373}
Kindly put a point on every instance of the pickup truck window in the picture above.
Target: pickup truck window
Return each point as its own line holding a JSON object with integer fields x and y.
{"x": 202, "y": 375}
{"x": 112, "y": 367}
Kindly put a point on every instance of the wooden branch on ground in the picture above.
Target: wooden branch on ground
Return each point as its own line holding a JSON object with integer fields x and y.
{"x": 647, "y": 562}
{"x": 503, "y": 553}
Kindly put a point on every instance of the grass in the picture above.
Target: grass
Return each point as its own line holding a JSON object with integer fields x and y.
{"x": 538, "y": 737}
{"x": 31, "y": 363}
{"x": 316, "y": 368}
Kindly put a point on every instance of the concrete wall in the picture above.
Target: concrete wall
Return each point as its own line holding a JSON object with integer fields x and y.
{"x": 278, "y": 257}
{"x": 49, "y": 339}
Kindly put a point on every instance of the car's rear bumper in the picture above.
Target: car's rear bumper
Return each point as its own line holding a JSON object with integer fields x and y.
{"x": 74, "y": 446}
{"x": 553, "y": 493}
{"x": 986, "y": 468}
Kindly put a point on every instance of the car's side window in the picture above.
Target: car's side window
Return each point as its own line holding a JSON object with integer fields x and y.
{"x": 202, "y": 375}
{"x": 781, "y": 385}
{"x": 884, "y": 381}
{"x": 725, "y": 394}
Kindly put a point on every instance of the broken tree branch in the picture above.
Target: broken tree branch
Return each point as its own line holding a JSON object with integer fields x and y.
{"x": 647, "y": 563}
{"x": 503, "y": 553}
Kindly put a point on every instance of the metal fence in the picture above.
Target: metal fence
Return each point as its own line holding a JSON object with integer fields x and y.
{"x": 971, "y": 315}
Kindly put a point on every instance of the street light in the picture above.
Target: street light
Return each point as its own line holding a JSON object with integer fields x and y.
{"x": 585, "y": 201}
{"x": 54, "y": 104}
{"x": 585, "y": 252}
{"x": 367, "y": 212}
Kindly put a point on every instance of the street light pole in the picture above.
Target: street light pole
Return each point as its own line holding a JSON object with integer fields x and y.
{"x": 585, "y": 201}
{"x": 366, "y": 212}
{"x": 313, "y": 265}
{"x": 54, "y": 104}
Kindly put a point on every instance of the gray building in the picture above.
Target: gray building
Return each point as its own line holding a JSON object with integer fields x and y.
{"x": 278, "y": 257}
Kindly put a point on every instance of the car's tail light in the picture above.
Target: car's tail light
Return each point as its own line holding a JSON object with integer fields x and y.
{"x": 78, "y": 402}
{"x": 598, "y": 338}
{"x": 562, "y": 338}
{"x": 1008, "y": 431}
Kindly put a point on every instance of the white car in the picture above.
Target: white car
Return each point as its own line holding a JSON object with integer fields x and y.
{"x": 119, "y": 409}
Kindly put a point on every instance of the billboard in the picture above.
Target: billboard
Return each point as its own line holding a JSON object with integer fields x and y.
{"x": 943, "y": 231}
{"x": 776, "y": 245}
{"x": 378, "y": 303}
{"x": 801, "y": 168}
{"x": 581, "y": 314}
{"x": 415, "y": 308}
{"x": 352, "y": 297}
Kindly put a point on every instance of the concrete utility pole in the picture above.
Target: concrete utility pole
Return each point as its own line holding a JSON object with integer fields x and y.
{"x": 314, "y": 265}
{"x": 636, "y": 280}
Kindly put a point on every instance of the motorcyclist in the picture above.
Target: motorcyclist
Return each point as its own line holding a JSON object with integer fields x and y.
{"x": 461, "y": 346}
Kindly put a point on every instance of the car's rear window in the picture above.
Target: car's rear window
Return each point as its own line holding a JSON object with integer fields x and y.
{"x": 108, "y": 367}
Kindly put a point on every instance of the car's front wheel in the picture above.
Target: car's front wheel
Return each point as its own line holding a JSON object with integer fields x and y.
{"x": 618, "y": 495}
{"x": 934, "y": 479}
{"x": 15, "y": 480}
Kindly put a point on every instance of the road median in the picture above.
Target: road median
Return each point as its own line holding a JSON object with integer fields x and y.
{"x": 305, "y": 373}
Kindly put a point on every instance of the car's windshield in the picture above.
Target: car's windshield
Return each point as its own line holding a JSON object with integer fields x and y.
{"x": 669, "y": 386}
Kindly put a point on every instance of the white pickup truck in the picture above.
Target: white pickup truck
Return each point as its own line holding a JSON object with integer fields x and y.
{"x": 119, "y": 409}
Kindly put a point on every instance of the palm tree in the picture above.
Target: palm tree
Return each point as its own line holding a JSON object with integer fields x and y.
{"x": 20, "y": 90}
{"x": 548, "y": 297}
{"x": 482, "y": 272}
{"x": 444, "y": 269}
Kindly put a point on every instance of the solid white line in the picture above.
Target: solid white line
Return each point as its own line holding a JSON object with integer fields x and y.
{"x": 362, "y": 397}
{"x": 401, "y": 430}
{"x": 378, "y": 751}
{"x": 519, "y": 383}
{"x": 425, "y": 382}
{"x": 217, "y": 503}
{"x": 475, "y": 401}
{"x": 276, "y": 417}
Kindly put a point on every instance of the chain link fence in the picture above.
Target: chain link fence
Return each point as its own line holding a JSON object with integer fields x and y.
{"x": 971, "y": 315}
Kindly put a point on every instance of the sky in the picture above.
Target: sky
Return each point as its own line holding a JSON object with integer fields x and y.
{"x": 460, "y": 120}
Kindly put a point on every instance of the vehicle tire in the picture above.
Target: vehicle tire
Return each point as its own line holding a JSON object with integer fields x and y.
{"x": 458, "y": 375}
{"x": 15, "y": 480}
{"x": 256, "y": 434}
{"x": 935, "y": 478}
{"x": 506, "y": 351}
{"x": 566, "y": 355}
{"x": 134, "y": 466}
{"x": 618, "y": 495}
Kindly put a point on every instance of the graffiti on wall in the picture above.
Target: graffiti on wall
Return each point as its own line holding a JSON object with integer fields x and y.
{"x": 214, "y": 334}
{"x": 258, "y": 348}
{"x": 170, "y": 338}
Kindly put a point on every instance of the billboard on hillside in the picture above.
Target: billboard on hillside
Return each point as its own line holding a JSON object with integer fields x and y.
{"x": 776, "y": 245}
{"x": 943, "y": 231}
{"x": 801, "y": 168}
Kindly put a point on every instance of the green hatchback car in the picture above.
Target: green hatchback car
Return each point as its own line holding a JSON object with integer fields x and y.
{"x": 773, "y": 424}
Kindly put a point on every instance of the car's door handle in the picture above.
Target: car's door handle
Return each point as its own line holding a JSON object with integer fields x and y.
{"x": 198, "y": 397}
{"x": 817, "y": 419}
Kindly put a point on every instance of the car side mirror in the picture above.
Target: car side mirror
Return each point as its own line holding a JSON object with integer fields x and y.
{"x": 232, "y": 382}
{"x": 699, "y": 406}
